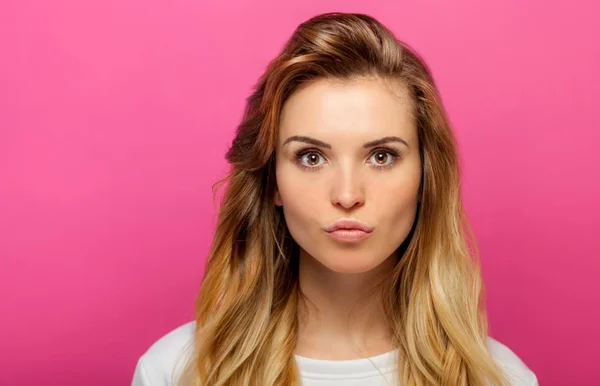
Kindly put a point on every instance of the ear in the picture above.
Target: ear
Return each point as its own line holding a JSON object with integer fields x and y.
{"x": 277, "y": 198}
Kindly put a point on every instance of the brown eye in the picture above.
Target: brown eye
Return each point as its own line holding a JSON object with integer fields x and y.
{"x": 381, "y": 157}
{"x": 312, "y": 159}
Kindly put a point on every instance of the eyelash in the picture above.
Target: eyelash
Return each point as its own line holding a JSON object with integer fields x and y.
{"x": 393, "y": 153}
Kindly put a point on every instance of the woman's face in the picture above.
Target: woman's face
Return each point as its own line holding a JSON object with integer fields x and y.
{"x": 348, "y": 150}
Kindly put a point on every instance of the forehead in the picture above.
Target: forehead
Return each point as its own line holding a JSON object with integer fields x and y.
{"x": 336, "y": 109}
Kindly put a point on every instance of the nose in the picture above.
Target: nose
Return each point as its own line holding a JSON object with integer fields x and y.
{"x": 347, "y": 190}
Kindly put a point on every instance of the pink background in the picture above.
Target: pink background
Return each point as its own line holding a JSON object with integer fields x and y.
{"x": 115, "y": 117}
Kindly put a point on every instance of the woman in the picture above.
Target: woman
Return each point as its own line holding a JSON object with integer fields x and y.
{"x": 342, "y": 254}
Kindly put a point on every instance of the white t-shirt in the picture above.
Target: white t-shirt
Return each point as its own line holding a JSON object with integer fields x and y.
{"x": 166, "y": 357}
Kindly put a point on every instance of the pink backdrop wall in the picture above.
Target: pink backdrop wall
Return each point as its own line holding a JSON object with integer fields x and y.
{"x": 115, "y": 116}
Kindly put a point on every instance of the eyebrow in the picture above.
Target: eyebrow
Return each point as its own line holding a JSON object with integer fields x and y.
{"x": 316, "y": 142}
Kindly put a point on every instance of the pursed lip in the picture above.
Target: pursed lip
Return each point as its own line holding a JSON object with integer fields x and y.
{"x": 348, "y": 224}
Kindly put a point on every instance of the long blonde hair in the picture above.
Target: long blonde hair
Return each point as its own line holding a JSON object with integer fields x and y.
{"x": 246, "y": 310}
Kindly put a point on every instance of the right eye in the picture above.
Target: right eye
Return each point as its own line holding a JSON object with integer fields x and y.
{"x": 310, "y": 159}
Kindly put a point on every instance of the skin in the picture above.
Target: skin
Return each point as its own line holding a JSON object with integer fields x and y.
{"x": 346, "y": 180}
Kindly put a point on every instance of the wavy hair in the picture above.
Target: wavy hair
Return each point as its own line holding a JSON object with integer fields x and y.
{"x": 246, "y": 309}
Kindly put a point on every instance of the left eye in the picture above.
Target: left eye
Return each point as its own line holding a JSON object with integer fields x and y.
{"x": 381, "y": 158}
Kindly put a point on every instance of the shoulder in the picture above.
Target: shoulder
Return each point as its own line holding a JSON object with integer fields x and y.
{"x": 165, "y": 358}
{"x": 516, "y": 370}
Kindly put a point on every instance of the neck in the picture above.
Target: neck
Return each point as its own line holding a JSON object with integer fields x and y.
{"x": 341, "y": 315}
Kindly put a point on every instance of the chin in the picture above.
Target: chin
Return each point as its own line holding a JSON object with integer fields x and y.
{"x": 349, "y": 266}
{"x": 351, "y": 270}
